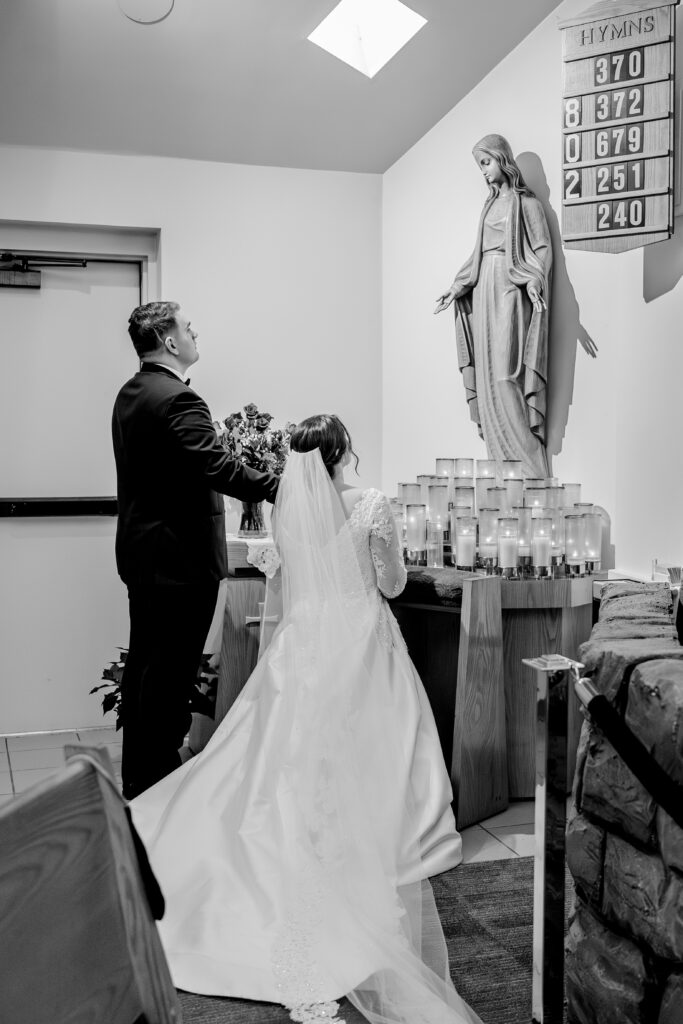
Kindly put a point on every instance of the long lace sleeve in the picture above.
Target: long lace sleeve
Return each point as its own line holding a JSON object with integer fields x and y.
{"x": 385, "y": 549}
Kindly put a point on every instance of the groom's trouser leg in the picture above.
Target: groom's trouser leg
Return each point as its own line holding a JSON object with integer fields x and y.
{"x": 168, "y": 628}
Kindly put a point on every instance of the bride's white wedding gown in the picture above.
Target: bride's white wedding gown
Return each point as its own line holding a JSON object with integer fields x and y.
{"x": 292, "y": 852}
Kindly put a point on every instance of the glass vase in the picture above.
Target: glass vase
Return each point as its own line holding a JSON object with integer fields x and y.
{"x": 252, "y": 522}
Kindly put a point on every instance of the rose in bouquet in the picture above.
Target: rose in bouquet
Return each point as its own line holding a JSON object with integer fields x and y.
{"x": 250, "y": 439}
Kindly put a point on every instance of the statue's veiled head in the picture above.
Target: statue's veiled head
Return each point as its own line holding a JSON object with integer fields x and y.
{"x": 498, "y": 148}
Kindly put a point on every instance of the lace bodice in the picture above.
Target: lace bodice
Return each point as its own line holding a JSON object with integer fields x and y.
{"x": 373, "y": 530}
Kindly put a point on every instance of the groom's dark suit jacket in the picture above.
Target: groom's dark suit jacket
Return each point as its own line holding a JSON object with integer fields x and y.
{"x": 169, "y": 463}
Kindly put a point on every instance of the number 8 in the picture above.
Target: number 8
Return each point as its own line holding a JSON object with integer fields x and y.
{"x": 572, "y": 113}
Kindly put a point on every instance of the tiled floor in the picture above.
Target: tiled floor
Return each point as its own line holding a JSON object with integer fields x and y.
{"x": 32, "y": 757}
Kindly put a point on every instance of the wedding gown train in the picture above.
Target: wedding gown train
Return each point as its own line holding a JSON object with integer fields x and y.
{"x": 293, "y": 852}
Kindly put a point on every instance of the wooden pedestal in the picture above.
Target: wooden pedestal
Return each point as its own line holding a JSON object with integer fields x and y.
{"x": 539, "y": 617}
{"x": 458, "y": 653}
{"x": 239, "y": 647}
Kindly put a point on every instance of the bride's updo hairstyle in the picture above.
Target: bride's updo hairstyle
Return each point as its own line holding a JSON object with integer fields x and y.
{"x": 326, "y": 432}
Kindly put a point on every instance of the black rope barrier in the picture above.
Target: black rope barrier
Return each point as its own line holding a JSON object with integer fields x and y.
{"x": 664, "y": 790}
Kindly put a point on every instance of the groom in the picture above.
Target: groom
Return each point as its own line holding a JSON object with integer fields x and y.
{"x": 170, "y": 538}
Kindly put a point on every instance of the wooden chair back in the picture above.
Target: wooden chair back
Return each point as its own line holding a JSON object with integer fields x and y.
{"x": 78, "y": 941}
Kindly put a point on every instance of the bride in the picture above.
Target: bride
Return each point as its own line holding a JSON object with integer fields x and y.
{"x": 294, "y": 851}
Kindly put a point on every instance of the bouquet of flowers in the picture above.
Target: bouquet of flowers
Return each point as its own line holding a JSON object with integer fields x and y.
{"x": 250, "y": 439}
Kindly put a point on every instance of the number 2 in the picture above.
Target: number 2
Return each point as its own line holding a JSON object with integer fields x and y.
{"x": 572, "y": 189}
{"x": 604, "y": 210}
{"x": 603, "y": 179}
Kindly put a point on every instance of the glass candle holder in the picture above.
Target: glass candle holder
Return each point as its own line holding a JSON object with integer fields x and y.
{"x": 551, "y": 481}
{"x": 445, "y": 468}
{"x": 487, "y": 467}
{"x": 511, "y": 469}
{"x": 508, "y": 556}
{"x": 574, "y": 530}
{"x": 556, "y": 517}
{"x": 523, "y": 515}
{"x": 463, "y": 497}
{"x": 464, "y": 467}
{"x": 465, "y": 542}
{"x": 434, "y": 546}
{"x": 535, "y": 496}
{"x": 555, "y": 497}
{"x": 424, "y": 480}
{"x": 481, "y": 486}
{"x": 488, "y": 538}
{"x": 437, "y": 496}
{"x": 592, "y": 540}
{"x": 557, "y": 536}
{"x": 416, "y": 533}
{"x": 579, "y": 507}
{"x": 541, "y": 545}
{"x": 498, "y": 497}
{"x": 534, "y": 481}
{"x": 572, "y": 494}
{"x": 410, "y": 494}
{"x": 515, "y": 491}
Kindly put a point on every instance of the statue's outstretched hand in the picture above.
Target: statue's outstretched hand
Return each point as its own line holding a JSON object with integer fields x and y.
{"x": 444, "y": 301}
{"x": 536, "y": 299}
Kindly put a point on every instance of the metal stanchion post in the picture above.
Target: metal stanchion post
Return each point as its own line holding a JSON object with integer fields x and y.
{"x": 552, "y": 688}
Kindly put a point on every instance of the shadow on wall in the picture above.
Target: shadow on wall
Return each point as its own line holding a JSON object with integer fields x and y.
{"x": 566, "y": 329}
{"x": 663, "y": 264}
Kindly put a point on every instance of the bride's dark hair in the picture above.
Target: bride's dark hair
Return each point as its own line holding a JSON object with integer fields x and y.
{"x": 326, "y": 432}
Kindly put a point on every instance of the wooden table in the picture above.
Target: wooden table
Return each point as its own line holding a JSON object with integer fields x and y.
{"x": 469, "y": 656}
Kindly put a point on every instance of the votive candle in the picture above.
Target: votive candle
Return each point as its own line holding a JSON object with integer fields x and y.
{"x": 434, "y": 545}
{"x": 488, "y": 535}
{"x": 574, "y": 542}
{"x": 464, "y": 467}
{"x": 416, "y": 527}
{"x": 410, "y": 494}
{"x": 523, "y": 515}
{"x": 515, "y": 491}
{"x": 463, "y": 497}
{"x": 592, "y": 539}
{"x": 438, "y": 503}
{"x": 541, "y": 542}
{"x": 535, "y": 496}
{"x": 486, "y": 467}
{"x": 511, "y": 469}
{"x": 465, "y": 542}
{"x": 497, "y": 497}
{"x": 445, "y": 467}
{"x": 481, "y": 486}
{"x": 507, "y": 543}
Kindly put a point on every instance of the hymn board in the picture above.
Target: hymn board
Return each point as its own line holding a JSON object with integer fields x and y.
{"x": 618, "y": 125}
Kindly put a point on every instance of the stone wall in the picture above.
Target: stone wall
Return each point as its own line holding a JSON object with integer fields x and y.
{"x": 625, "y": 942}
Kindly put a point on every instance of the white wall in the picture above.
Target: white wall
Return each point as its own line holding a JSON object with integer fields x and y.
{"x": 619, "y": 434}
{"x": 280, "y": 272}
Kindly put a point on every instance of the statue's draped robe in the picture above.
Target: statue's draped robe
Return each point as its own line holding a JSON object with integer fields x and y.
{"x": 502, "y": 341}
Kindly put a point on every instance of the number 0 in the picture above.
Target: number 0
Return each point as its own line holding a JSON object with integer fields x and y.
{"x": 572, "y": 148}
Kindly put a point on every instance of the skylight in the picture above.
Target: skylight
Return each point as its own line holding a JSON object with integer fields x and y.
{"x": 367, "y": 33}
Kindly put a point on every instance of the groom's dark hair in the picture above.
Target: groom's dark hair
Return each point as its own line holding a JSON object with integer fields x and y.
{"x": 326, "y": 432}
{"x": 148, "y": 324}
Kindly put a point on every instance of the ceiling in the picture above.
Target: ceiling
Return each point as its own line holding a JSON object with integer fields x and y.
{"x": 237, "y": 80}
